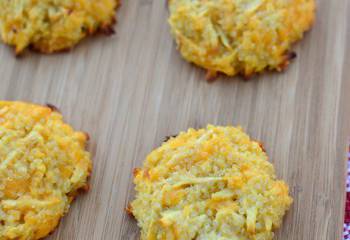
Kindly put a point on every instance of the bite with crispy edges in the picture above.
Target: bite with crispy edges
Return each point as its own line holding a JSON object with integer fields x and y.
{"x": 49, "y": 25}
{"x": 43, "y": 165}
{"x": 239, "y": 36}
{"x": 213, "y": 184}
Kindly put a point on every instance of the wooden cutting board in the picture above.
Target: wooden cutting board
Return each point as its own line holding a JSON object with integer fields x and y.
{"x": 131, "y": 90}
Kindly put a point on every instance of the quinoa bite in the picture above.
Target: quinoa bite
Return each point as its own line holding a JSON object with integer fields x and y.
{"x": 239, "y": 36}
{"x": 50, "y": 25}
{"x": 214, "y": 183}
{"x": 43, "y": 166}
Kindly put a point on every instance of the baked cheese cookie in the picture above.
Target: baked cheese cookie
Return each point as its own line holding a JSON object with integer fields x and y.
{"x": 214, "y": 184}
{"x": 43, "y": 165}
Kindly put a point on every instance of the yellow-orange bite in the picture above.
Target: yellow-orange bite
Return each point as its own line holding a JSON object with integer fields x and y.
{"x": 239, "y": 36}
{"x": 43, "y": 165}
{"x": 50, "y": 25}
{"x": 212, "y": 184}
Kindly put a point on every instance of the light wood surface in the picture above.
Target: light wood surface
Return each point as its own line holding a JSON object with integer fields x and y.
{"x": 131, "y": 90}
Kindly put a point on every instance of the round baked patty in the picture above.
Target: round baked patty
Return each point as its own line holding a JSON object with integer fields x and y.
{"x": 239, "y": 36}
{"x": 43, "y": 165}
{"x": 49, "y": 25}
{"x": 213, "y": 183}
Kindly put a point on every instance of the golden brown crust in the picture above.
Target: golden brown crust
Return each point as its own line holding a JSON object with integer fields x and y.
{"x": 52, "y": 107}
{"x": 87, "y": 135}
{"x": 167, "y": 138}
{"x": 262, "y": 146}
{"x": 211, "y": 76}
{"x": 136, "y": 171}
{"x": 128, "y": 210}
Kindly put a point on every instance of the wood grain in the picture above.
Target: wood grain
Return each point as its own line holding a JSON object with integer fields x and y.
{"x": 131, "y": 90}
